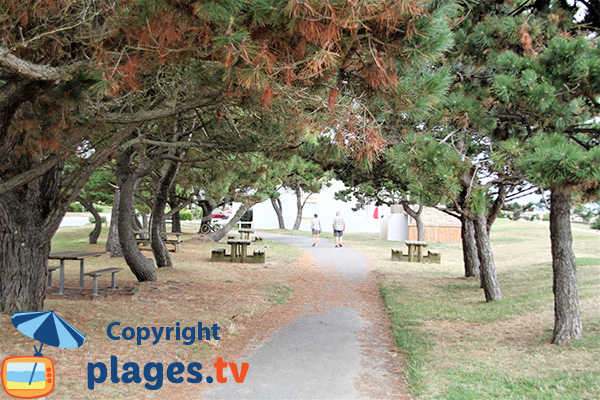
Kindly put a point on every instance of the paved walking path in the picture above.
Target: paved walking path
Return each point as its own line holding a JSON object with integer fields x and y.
{"x": 338, "y": 350}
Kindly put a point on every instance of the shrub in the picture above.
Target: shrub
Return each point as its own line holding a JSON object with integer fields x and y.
{"x": 99, "y": 209}
{"x": 546, "y": 217}
{"x": 248, "y": 216}
{"x": 185, "y": 215}
{"x": 596, "y": 223}
{"x": 93, "y": 220}
{"x": 75, "y": 207}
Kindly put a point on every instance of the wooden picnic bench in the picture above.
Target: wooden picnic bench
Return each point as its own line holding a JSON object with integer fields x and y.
{"x": 100, "y": 272}
{"x": 415, "y": 245}
{"x": 239, "y": 252}
{"x": 51, "y": 269}
{"x": 72, "y": 255}
{"x": 239, "y": 249}
{"x": 245, "y": 233}
{"x": 143, "y": 238}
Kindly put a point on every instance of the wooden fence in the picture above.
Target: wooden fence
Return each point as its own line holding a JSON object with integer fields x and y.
{"x": 436, "y": 233}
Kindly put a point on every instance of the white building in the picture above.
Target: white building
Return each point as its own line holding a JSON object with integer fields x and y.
{"x": 325, "y": 205}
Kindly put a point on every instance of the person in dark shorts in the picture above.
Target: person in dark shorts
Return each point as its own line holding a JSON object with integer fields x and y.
{"x": 339, "y": 226}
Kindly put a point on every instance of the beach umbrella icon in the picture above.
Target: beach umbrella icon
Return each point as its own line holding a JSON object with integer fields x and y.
{"x": 48, "y": 328}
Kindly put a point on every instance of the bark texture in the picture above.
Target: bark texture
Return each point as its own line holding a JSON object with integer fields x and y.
{"x": 487, "y": 268}
{"x": 469, "y": 247}
{"x": 143, "y": 268}
{"x": 161, "y": 197}
{"x": 23, "y": 259}
{"x": 277, "y": 206}
{"x": 176, "y": 222}
{"x": 416, "y": 215}
{"x": 95, "y": 233}
{"x": 299, "y": 206}
{"x": 567, "y": 313}
{"x": 112, "y": 243}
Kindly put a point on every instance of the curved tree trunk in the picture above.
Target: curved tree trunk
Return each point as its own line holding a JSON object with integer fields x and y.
{"x": 159, "y": 249}
{"x": 496, "y": 208}
{"x": 142, "y": 267}
{"x": 487, "y": 268}
{"x": 416, "y": 215}
{"x": 299, "y": 206}
{"x": 469, "y": 247}
{"x": 95, "y": 233}
{"x": 277, "y": 206}
{"x": 567, "y": 314}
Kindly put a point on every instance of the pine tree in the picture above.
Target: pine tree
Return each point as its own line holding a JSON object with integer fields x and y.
{"x": 536, "y": 76}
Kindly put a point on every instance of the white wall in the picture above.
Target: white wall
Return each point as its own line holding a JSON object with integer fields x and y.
{"x": 325, "y": 205}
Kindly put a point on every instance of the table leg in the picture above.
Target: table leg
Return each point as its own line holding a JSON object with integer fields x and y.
{"x": 243, "y": 254}
{"x": 411, "y": 250}
{"x": 81, "y": 269}
{"x": 420, "y": 253}
{"x": 233, "y": 246}
{"x": 61, "y": 285}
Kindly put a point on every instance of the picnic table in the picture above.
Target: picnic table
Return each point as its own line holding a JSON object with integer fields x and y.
{"x": 72, "y": 255}
{"x": 239, "y": 248}
{"x": 245, "y": 233}
{"x": 415, "y": 245}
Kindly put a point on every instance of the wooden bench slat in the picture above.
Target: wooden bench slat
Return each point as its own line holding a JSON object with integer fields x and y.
{"x": 103, "y": 271}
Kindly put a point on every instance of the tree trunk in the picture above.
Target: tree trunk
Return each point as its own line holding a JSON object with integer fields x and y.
{"x": 176, "y": 222}
{"x": 112, "y": 243}
{"x": 159, "y": 249}
{"x": 95, "y": 233}
{"x": 487, "y": 268}
{"x": 496, "y": 208}
{"x": 469, "y": 247}
{"x": 277, "y": 206}
{"x": 299, "y": 206}
{"x": 567, "y": 313}
{"x": 416, "y": 215}
{"x": 142, "y": 267}
{"x": 137, "y": 224}
{"x": 23, "y": 258}
{"x": 207, "y": 205}
{"x": 220, "y": 234}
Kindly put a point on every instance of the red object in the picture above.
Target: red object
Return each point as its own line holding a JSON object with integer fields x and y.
{"x": 376, "y": 213}
{"x": 216, "y": 213}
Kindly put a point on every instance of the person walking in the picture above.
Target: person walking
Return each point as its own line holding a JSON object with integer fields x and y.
{"x": 315, "y": 226}
{"x": 339, "y": 226}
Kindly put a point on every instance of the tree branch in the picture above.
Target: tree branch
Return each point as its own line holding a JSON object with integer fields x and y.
{"x": 149, "y": 115}
{"x": 15, "y": 66}
{"x": 30, "y": 175}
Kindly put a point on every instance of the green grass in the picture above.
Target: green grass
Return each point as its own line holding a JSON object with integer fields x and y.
{"x": 457, "y": 346}
{"x": 280, "y": 293}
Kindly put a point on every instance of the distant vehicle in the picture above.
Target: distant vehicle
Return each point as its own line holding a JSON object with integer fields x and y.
{"x": 216, "y": 213}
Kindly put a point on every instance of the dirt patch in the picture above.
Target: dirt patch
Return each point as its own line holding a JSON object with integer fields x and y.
{"x": 237, "y": 297}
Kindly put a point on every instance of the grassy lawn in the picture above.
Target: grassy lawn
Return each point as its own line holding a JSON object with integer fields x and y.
{"x": 459, "y": 347}
{"x": 196, "y": 290}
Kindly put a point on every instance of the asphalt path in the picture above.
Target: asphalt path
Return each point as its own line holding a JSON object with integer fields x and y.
{"x": 320, "y": 354}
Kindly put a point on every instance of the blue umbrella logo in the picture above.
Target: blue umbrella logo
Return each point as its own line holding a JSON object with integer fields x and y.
{"x": 48, "y": 328}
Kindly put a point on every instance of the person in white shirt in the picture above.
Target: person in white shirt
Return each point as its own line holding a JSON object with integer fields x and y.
{"x": 339, "y": 226}
{"x": 315, "y": 226}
